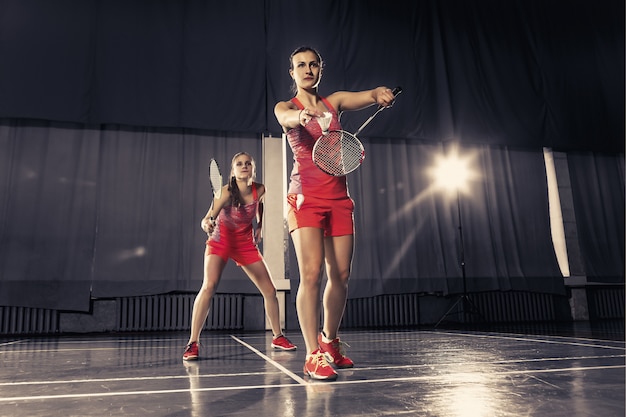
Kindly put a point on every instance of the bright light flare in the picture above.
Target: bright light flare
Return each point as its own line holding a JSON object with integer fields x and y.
{"x": 452, "y": 172}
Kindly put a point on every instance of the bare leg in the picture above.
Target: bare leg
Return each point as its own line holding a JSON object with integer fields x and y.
{"x": 213, "y": 267}
{"x": 339, "y": 250}
{"x": 259, "y": 274}
{"x": 308, "y": 243}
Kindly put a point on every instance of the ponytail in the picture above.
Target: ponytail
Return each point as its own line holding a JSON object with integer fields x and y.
{"x": 235, "y": 195}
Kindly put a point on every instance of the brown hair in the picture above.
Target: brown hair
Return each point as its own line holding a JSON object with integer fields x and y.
{"x": 294, "y": 87}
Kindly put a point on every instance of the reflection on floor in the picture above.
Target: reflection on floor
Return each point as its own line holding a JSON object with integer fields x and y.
{"x": 556, "y": 370}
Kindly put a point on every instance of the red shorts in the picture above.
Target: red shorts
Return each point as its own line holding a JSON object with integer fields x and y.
{"x": 335, "y": 217}
{"x": 243, "y": 253}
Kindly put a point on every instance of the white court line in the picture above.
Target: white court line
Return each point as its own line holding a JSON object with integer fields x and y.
{"x": 496, "y": 362}
{"x": 426, "y": 378}
{"x": 241, "y": 374}
{"x": 529, "y": 339}
{"x": 91, "y": 349}
{"x": 303, "y": 382}
{"x": 64, "y": 340}
{"x": 502, "y": 335}
{"x": 134, "y": 379}
{"x": 127, "y": 393}
{"x": 15, "y": 342}
{"x": 130, "y": 345}
{"x": 293, "y": 376}
{"x": 39, "y": 347}
{"x": 457, "y": 376}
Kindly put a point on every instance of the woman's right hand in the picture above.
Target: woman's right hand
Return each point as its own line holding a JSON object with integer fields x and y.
{"x": 305, "y": 115}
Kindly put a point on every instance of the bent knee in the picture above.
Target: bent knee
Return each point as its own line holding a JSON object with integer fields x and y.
{"x": 268, "y": 292}
{"x": 208, "y": 289}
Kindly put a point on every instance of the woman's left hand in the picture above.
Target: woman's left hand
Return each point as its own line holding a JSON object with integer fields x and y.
{"x": 258, "y": 235}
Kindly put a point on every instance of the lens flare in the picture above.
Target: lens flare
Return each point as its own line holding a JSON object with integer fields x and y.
{"x": 452, "y": 171}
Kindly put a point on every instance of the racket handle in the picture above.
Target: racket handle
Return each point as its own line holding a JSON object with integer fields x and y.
{"x": 395, "y": 93}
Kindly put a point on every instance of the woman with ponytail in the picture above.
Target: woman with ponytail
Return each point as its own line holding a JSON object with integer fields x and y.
{"x": 229, "y": 225}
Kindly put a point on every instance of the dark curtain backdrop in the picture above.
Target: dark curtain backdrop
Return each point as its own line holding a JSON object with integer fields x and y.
{"x": 517, "y": 72}
{"x": 110, "y": 110}
{"x": 408, "y": 237}
{"x": 105, "y": 212}
{"x": 114, "y": 211}
{"x": 598, "y": 192}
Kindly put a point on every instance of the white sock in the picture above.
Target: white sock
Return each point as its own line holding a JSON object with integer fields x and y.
{"x": 325, "y": 339}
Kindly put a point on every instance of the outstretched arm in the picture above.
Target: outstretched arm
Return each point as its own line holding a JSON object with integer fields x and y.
{"x": 290, "y": 116}
{"x": 348, "y": 100}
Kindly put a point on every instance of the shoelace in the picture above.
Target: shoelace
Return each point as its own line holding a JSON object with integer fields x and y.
{"x": 321, "y": 360}
{"x": 340, "y": 347}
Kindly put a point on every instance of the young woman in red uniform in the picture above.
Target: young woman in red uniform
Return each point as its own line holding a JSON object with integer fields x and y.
{"x": 231, "y": 235}
{"x": 320, "y": 214}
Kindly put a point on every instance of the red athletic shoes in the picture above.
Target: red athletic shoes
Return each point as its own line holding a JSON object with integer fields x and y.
{"x": 316, "y": 367}
{"x": 191, "y": 352}
{"x": 334, "y": 352}
{"x": 281, "y": 342}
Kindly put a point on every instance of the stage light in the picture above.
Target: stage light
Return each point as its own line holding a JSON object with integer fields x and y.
{"x": 452, "y": 172}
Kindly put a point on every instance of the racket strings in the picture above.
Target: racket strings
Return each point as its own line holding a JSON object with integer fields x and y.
{"x": 338, "y": 153}
{"x": 216, "y": 178}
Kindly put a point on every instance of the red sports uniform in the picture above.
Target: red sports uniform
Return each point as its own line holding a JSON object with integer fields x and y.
{"x": 316, "y": 199}
{"x": 233, "y": 236}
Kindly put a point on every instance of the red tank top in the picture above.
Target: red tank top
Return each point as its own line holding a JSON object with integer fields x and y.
{"x": 306, "y": 178}
{"x": 237, "y": 221}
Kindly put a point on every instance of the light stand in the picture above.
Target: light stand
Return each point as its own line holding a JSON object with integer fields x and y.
{"x": 468, "y": 306}
{"x": 451, "y": 173}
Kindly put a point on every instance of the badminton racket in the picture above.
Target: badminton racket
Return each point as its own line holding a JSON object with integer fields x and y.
{"x": 215, "y": 178}
{"x": 338, "y": 152}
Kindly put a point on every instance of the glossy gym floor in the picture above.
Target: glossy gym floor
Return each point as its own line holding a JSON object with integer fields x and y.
{"x": 551, "y": 370}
